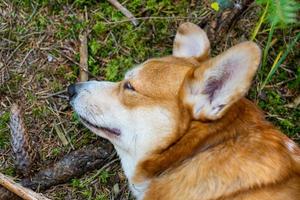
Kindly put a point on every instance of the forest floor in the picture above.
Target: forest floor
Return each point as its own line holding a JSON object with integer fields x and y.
{"x": 39, "y": 56}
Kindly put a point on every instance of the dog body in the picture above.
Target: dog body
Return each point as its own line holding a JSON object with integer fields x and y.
{"x": 183, "y": 130}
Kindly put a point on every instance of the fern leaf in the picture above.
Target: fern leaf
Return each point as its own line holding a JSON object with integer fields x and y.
{"x": 281, "y": 12}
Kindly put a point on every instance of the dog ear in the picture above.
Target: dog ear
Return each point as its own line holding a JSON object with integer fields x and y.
{"x": 212, "y": 88}
{"x": 191, "y": 41}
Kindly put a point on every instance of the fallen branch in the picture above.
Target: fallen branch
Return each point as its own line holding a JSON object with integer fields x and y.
{"x": 72, "y": 165}
{"x": 125, "y": 12}
{"x": 18, "y": 189}
{"x": 83, "y": 76}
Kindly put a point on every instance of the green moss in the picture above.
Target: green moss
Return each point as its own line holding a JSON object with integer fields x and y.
{"x": 86, "y": 138}
{"x": 99, "y": 28}
{"x": 71, "y": 28}
{"x": 40, "y": 111}
{"x": 31, "y": 97}
{"x": 287, "y": 119}
{"x": 56, "y": 86}
{"x": 117, "y": 67}
{"x": 93, "y": 66}
{"x": 56, "y": 151}
{"x": 295, "y": 84}
{"x": 4, "y": 131}
{"x": 85, "y": 190}
{"x": 104, "y": 176}
{"x": 41, "y": 23}
{"x": 13, "y": 83}
{"x": 94, "y": 46}
{"x": 83, "y": 3}
{"x": 76, "y": 183}
{"x": 101, "y": 197}
{"x": 87, "y": 193}
{"x": 124, "y": 45}
{"x": 10, "y": 171}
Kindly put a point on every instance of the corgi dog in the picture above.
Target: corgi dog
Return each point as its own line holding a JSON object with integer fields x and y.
{"x": 183, "y": 129}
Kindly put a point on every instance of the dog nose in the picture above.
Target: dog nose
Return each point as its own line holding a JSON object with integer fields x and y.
{"x": 72, "y": 90}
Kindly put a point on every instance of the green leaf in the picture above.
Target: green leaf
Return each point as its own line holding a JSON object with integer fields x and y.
{"x": 281, "y": 12}
{"x": 278, "y": 61}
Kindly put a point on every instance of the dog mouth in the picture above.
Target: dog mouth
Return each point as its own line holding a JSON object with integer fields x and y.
{"x": 112, "y": 131}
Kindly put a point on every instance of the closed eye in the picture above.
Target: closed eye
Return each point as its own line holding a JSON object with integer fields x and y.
{"x": 127, "y": 86}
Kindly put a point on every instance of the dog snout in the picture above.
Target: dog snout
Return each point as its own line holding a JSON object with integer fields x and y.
{"x": 72, "y": 91}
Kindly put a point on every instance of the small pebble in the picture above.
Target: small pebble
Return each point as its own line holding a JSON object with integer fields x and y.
{"x": 116, "y": 189}
{"x": 50, "y": 58}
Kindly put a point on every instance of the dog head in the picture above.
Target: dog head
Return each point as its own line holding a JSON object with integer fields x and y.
{"x": 157, "y": 99}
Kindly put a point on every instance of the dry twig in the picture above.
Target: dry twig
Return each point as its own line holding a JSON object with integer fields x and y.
{"x": 83, "y": 76}
{"x": 124, "y": 10}
{"x": 83, "y": 58}
{"x": 21, "y": 191}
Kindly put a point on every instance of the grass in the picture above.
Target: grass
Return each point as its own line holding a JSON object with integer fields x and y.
{"x": 50, "y": 29}
{"x": 280, "y": 59}
{"x": 4, "y": 137}
{"x": 280, "y": 14}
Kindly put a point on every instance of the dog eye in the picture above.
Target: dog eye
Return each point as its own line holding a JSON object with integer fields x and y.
{"x": 127, "y": 86}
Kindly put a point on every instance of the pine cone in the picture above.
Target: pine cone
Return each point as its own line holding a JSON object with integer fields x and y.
{"x": 20, "y": 141}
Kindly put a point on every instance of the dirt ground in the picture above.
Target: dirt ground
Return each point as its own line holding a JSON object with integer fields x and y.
{"x": 39, "y": 58}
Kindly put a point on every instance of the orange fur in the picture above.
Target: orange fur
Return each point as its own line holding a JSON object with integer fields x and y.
{"x": 204, "y": 140}
{"x": 240, "y": 156}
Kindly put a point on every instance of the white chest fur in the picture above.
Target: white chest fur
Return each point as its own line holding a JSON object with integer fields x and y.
{"x": 129, "y": 164}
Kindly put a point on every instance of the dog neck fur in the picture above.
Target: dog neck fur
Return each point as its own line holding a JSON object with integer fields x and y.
{"x": 161, "y": 168}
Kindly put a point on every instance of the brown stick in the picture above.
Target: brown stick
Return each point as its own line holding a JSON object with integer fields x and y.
{"x": 21, "y": 191}
{"x": 72, "y": 165}
{"x": 83, "y": 76}
{"x": 124, "y": 10}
